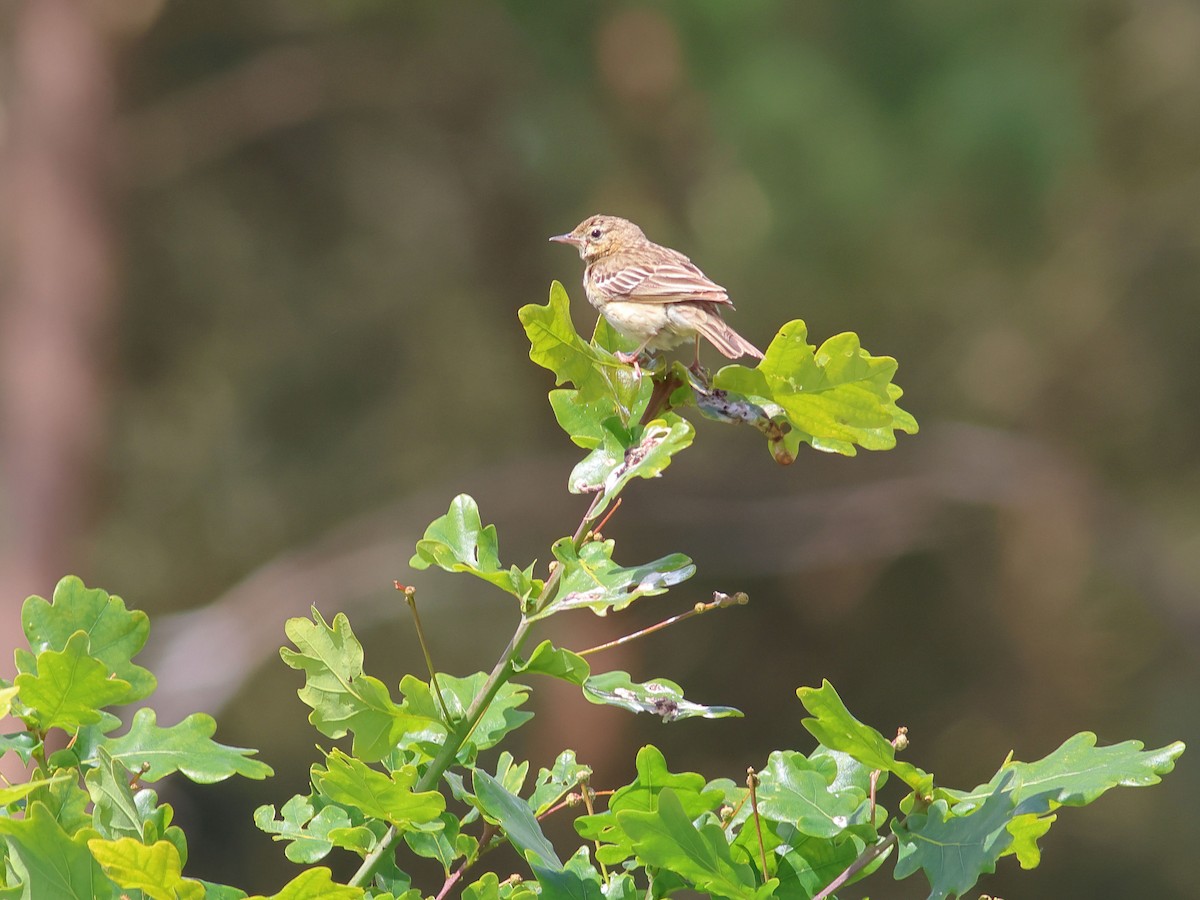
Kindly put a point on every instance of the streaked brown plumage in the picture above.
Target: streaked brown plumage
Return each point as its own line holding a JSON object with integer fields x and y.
{"x": 650, "y": 293}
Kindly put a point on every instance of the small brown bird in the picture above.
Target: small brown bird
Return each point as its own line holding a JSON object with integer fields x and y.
{"x": 650, "y": 293}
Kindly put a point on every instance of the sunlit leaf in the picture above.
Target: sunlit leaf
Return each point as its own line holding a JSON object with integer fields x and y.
{"x": 459, "y": 542}
{"x": 115, "y": 634}
{"x": 660, "y": 696}
{"x": 350, "y": 782}
{"x": 546, "y": 659}
{"x": 591, "y": 580}
{"x": 342, "y": 697}
{"x": 306, "y": 830}
{"x": 836, "y": 397}
{"x": 834, "y": 726}
{"x": 70, "y": 687}
{"x": 667, "y": 839}
{"x": 57, "y": 865}
{"x": 156, "y": 869}
{"x": 187, "y": 747}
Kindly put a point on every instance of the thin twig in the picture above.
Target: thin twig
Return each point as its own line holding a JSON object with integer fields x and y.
{"x": 864, "y": 859}
{"x": 496, "y": 679}
{"x": 752, "y": 783}
{"x": 588, "y": 795}
{"x": 899, "y": 742}
{"x": 595, "y": 532}
{"x": 719, "y": 601}
{"x": 410, "y": 597}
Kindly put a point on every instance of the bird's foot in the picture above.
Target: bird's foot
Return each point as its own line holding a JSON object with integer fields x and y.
{"x": 630, "y": 358}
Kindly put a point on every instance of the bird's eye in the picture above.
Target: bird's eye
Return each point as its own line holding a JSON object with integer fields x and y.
{"x": 596, "y": 232}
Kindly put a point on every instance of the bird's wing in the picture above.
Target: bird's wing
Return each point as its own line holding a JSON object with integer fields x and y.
{"x": 667, "y": 281}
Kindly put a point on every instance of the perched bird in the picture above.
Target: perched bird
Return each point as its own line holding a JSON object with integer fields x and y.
{"x": 650, "y": 293}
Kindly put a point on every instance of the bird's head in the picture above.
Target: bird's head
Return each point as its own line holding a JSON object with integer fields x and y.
{"x": 598, "y": 236}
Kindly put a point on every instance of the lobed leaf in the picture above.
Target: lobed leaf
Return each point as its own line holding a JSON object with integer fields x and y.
{"x": 115, "y": 634}
{"x": 552, "y": 784}
{"x": 314, "y": 884}
{"x": 659, "y": 696}
{"x": 642, "y": 794}
{"x": 795, "y": 790}
{"x": 954, "y": 850}
{"x": 459, "y": 542}
{"x": 604, "y": 387}
{"x": 343, "y": 698}
{"x": 546, "y": 659}
{"x": 70, "y": 687}
{"x": 834, "y": 726}
{"x": 836, "y": 397}
{"x": 187, "y": 747}
{"x": 667, "y": 839}
{"x": 306, "y": 829}
{"x": 500, "y": 718}
{"x": 351, "y": 782}
{"x": 591, "y": 580}
{"x": 156, "y": 869}
{"x": 56, "y": 864}
{"x": 636, "y": 451}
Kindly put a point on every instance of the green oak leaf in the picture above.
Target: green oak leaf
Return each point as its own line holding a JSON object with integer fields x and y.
{"x": 795, "y": 790}
{"x": 187, "y": 747}
{"x": 343, "y": 698}
{"x": 577, "y": 880}
{"x": 459, "y": 542}
{"x": 12, "y": 793}
{"x": 443, "y": 845}
{"x": 836, "y": 397}
{"x": 659, "y": 696}
{"x": 489, "y": 887}
{"x": 807, "y": 864}
{"x": 955, "y": 850}
{"x": 513, "y": 815}
{"x": 115, "y": 810}
{"x": 642, "y": 794}
{"x": 500, "y": 718}
{"x": 603, "y": 388}
{"x": 554, "y": 783}
{"x": 305, "y": 828}
{"x": 56, "y": 864}
{"x": 1078, "y": 772}
{"x": 70, "y": 688}
{"x": 22, "y": 743}
{"x": 1075, "y": 774}
{"x": 350, "y": 782}
{"x": 636, "y": 451}
{"x": 666, "y": 839}
{"x": 834, "y": 726}
{"x": 591, "y": 580}
{"x": 115, "y": 634}
{"x": 546, "y": 659}
{"x": 156, "y": 869}
{"x": 314, "y": 884}
{"x": 1026, "y": 831}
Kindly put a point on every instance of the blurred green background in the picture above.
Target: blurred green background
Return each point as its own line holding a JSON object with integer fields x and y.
{"x": 262, "y": 261}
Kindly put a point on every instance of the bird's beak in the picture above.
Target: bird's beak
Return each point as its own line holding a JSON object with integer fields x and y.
{"x": 567, "y": 239}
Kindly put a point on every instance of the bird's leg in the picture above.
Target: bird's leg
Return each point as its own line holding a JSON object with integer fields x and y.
{"x": 633, "y": 357}
{"x": 695, "y": 366}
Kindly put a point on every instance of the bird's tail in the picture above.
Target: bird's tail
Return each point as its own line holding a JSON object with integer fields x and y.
{"x": 708, "y": 323}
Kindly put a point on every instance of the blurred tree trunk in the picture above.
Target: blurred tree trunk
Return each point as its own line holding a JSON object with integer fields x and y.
{"x": 56, "y": 297}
